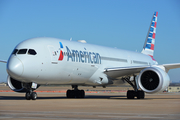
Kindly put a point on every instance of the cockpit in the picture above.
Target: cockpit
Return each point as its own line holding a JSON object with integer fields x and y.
{"x": 24, "y": 51}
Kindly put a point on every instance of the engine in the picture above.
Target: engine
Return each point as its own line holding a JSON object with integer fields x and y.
{"x": 153, "y": 79}
{"x": 15, "y": 85}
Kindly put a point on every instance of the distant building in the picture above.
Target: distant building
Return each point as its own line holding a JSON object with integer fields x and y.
{"x": 174, "y": 89}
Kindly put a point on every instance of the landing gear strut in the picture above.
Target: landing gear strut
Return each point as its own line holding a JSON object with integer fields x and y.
{"x": 75, "y": 93}
{"x": 134, "y": 93}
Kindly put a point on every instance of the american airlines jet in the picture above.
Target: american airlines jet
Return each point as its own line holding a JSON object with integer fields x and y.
{"x": 42, "y": 61}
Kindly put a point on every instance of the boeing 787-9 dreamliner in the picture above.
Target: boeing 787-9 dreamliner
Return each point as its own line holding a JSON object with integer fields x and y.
{"x": 43, "y": 60}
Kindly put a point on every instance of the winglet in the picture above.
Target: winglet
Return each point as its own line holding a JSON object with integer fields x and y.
{"x": 148, "y": 48}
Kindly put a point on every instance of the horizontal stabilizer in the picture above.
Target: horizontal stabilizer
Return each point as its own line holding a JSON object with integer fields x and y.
{"x": 3, "y": 61}
{"x": 171, "y": 66}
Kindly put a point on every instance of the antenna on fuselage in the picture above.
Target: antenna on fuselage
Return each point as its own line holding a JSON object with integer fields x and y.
{"x": 71, "y": 39}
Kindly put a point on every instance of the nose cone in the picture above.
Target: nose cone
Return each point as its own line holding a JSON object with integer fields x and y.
{"x": 15, "y": 67}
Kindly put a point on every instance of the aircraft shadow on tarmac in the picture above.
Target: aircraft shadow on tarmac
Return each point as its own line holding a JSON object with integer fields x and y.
{"x": 120, "y": 97}
{"x": 86, "y": 97}
{"x": 11, "y": 98}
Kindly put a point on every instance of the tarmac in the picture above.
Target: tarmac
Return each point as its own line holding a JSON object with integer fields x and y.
{"x": 97, "y": 105}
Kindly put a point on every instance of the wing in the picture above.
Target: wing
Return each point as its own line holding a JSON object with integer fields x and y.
{"x": 171, "y": 66}
{"x": 123, "y": 71}
{"x": 118, "y": 72}
{"x": 3, "y": 61}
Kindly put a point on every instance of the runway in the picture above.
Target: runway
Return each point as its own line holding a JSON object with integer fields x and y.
{"x": 95, "y": 106}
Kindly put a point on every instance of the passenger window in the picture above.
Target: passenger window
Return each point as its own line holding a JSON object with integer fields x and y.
{"x": 22, "y": 51}
{"x": 15, "y": 51}
{"x": 32, "y": 52}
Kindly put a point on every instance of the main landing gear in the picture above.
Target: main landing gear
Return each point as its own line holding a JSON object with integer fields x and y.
{"x": 131, "y": 94}
{"x": 134, "y": 93}
{"x": 30, "y": 87}
{"x": 75, "y": 93}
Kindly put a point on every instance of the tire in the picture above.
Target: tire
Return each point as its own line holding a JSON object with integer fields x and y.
{"x": 73, "y": 94}
{"x": 130, "y": 94}
{"x": 78, "y": 94}
{"x": 28, "y": 96}
{"x": 68, "y": 94}
{"x": 82, "y": 93}
{"x": 34, "y": 95}
{"x": 140, "y": 94}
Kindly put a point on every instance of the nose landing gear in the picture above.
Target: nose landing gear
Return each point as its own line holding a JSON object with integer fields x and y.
{"x": 31, "y": 95}
{"x": 30, "y": 87}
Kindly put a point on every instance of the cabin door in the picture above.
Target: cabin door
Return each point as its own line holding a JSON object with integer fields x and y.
{"x": 53, "y": 54}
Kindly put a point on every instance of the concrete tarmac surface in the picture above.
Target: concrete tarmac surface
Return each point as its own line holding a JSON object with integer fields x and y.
{"x": 95, "y": 106}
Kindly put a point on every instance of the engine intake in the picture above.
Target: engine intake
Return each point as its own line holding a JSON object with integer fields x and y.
{"x": 153, "y": 79}
{"x": 15, "y": 85}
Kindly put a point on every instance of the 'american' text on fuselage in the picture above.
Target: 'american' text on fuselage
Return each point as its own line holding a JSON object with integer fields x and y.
{"x": 83, "y": 56}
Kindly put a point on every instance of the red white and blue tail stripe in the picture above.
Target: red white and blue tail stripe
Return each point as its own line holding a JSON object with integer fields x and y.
{"x": 148, "y": 48}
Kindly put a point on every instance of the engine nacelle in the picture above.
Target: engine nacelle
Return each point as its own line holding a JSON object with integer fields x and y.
{"x": 15, "y": 85}
{"x": 153, "y": 79}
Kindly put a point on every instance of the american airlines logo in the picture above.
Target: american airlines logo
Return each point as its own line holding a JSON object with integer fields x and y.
{"x": 61, "y": 56}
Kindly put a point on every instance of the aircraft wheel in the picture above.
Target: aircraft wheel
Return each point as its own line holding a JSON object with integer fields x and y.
{"x": 70, "y": 94}
{"x": 34, "y": 95}
{"x": 28, "y": 96}
{"x": 73, "y": 94}
{"x": 140, "y": 94}
{"x": 78, "y": 94}
{"x": 130, "y": 94}
{"x": 82, "y": 93}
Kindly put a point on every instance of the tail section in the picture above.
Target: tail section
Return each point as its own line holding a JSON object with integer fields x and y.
{"x": 148, "y": 48}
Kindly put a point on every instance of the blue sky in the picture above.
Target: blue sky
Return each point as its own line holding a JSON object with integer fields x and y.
{"x": 114, "y": 23}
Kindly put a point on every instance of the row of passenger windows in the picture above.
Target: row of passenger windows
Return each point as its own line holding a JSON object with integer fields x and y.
{"x": 24, "y": 51}
{"x": 124, "y": 60}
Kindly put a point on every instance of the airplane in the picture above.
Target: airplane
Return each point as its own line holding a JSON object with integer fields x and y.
{"x": 45, "y": 60}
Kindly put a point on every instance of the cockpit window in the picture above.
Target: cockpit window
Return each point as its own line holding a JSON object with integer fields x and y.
{"x": 22, "y": 51}
{"x": 32, "y": 52}
{"x": 15, "y": 51}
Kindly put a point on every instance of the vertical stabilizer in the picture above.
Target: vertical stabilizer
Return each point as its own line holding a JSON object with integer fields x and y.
{"x": 148, "y": 48}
